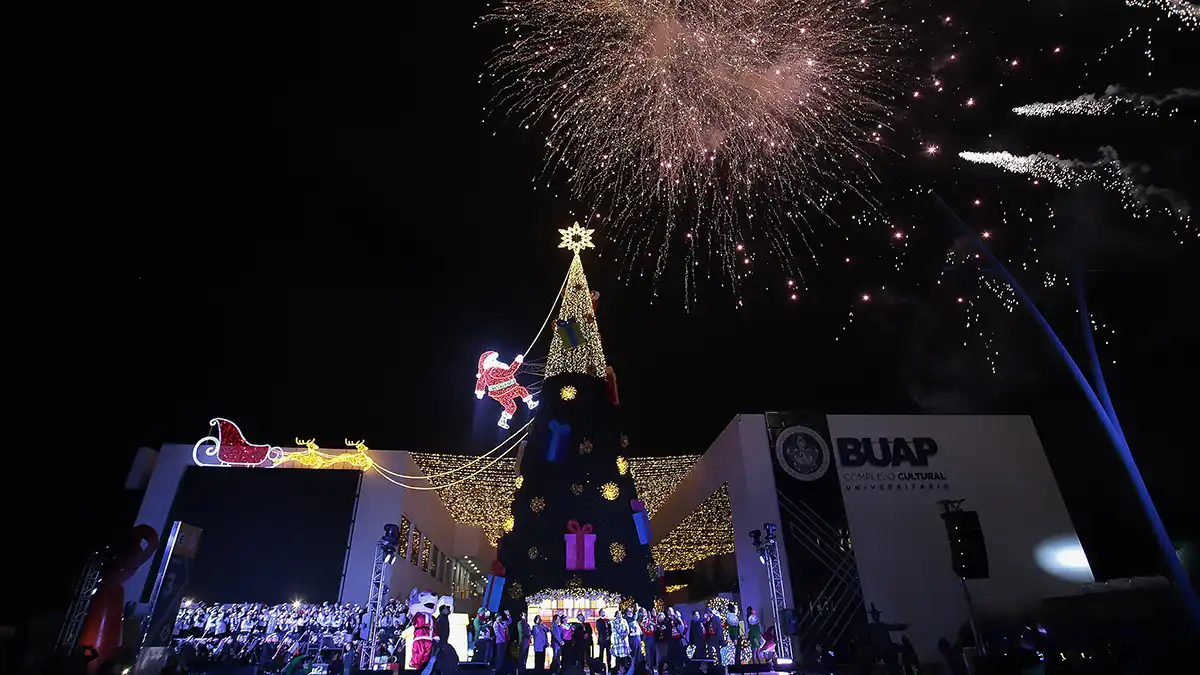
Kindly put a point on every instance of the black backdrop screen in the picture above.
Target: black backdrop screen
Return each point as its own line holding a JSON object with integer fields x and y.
{"x": 270, "y": 535}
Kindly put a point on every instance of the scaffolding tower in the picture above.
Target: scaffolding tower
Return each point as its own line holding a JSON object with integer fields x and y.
{"x": 377, "y": 595}
{"x": 85, "y": 588}
{"x": 770, "y": 557}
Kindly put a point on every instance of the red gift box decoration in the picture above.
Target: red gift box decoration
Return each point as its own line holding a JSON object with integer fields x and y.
{"x": 581, "y": 546}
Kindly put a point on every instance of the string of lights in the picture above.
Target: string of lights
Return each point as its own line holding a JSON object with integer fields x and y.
{"x": 474, "y": 461}
{"x": 705, "y": 532}
{"x": 457, "y": 481}
{"x": 486, "y": 502}
{"x": 657, "y": 477}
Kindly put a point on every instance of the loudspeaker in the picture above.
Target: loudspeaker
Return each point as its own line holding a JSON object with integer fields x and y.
{"x": 968, "y": 552}
{"x": 788, "y": 621}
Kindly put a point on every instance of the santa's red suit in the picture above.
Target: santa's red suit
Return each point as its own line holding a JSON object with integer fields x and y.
{"x": 499, "y": 381}
{"x": 420, "y": 604}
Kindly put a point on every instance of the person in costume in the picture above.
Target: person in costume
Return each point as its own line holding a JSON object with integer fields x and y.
{"x": 499, "y": 381}
{"x": 420, "y": 609}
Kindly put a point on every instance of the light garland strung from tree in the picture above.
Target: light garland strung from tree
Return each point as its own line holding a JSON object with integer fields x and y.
{"x": 705, "y": 532}
{"x": 486, "y": 501}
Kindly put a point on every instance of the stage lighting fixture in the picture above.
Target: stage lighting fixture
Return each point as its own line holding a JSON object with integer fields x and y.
{"x": 770, "y": 529}
{"x": 756, "y": 538}
{"x": 389, "y": 542}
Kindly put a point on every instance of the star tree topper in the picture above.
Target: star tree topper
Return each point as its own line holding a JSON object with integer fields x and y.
{"x": 576, "y": 238}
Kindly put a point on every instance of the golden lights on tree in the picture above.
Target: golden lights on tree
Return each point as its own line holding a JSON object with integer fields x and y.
{"x": 586, "y": 357}
{"x": 610, "y": 491}
{"x": 622, "y": 465}
{"x": 568, "y": 393}
{"x": 509, "y": 523}
{"x": 617, "y": 551}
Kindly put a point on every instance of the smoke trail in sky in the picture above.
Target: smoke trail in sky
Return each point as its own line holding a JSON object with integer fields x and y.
{"x": 1109, "y": 171}
{"x": 1114, "y": 98}
{"x": 1187, "y": 12}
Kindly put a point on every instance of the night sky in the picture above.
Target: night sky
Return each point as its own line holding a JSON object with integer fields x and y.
{"x": 295, "y": 217}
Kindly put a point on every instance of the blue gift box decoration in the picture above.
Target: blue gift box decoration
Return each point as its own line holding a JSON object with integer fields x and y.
{"x": 641, "y": 521}
{"x": 560, "y": 435}
{"x": 495, "y": 587}
{"x": 568, "y": 331}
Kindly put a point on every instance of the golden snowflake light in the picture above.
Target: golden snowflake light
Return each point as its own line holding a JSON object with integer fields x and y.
{"x": 610, "y": 491}
{"x": 622, "y": 465}
{"x": 568, "y": 393}
{"x": 576, "y": 238}
{"x": 586, "y": 447}
{"x": 617, "y": 551}
{"x": 537, "y": 504}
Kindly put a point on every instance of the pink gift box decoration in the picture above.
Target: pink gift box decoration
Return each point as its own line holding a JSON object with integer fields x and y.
{"x": 581, "y": 546}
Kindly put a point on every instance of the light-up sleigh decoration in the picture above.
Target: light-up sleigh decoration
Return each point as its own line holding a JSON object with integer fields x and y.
{"x": 229, "y": 448}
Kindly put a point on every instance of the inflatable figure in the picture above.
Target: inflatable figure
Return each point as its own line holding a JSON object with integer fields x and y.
{"x": 499, "y": 381}
{"x": 420, "y": 611}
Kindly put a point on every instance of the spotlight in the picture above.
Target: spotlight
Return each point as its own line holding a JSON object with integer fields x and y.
{"x": 391, "y": 534}
{"x": 756, "y": 538}
{"x": 770, "y": 528}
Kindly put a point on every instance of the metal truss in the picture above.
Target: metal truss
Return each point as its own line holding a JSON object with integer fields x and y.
{"x": 377, "y": 597}
{"x": 89, "y": 580}
{"x": 783, "y": 641}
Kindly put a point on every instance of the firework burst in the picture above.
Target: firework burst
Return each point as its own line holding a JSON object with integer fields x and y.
{"x": 713, "y": 119}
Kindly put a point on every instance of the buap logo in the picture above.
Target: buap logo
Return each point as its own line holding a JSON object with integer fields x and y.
{"x": 802, "y": 453}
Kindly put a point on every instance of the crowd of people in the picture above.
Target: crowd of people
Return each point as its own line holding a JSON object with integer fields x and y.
{"x": 635, "y": 639}
{"x": 276, "y": 634}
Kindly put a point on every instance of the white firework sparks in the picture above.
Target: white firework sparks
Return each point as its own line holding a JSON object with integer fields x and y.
{"x": 713, "y": 114}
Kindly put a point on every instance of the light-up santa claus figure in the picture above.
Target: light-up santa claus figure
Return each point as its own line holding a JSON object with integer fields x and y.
{"x": 499, "y": 381}
{"x": 420, "y": 611}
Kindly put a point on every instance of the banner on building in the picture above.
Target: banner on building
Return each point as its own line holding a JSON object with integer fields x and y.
{"x": 814, "y": 529}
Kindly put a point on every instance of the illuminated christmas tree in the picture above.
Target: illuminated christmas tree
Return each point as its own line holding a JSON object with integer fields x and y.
{"x": 577, "y": 528}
